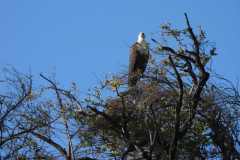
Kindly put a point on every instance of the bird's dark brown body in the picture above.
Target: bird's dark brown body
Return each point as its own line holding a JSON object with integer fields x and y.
{"x": 137, "y": 63}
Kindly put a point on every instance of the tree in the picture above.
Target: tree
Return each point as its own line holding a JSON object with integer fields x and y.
{"x": 173, "y": 112}
{"x": 179, "y": 109}
{"x": 39, "y": 123}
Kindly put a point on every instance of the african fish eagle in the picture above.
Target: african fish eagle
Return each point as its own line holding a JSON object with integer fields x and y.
{"x": 139, "y": 56}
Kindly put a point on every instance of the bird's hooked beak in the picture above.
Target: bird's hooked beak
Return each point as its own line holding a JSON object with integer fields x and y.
{"x": 142, "y": 35}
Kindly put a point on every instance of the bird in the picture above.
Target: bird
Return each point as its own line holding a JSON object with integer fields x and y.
{"x": 138, "y": 59}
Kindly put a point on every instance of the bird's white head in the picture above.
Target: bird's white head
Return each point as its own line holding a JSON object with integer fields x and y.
{"x": 141, "y": 37}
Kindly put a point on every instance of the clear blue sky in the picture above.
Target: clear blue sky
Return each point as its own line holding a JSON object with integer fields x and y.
{"x": 83, "y": 40}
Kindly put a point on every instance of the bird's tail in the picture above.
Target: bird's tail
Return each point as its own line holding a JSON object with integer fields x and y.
{"x": 133, "y": 79}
